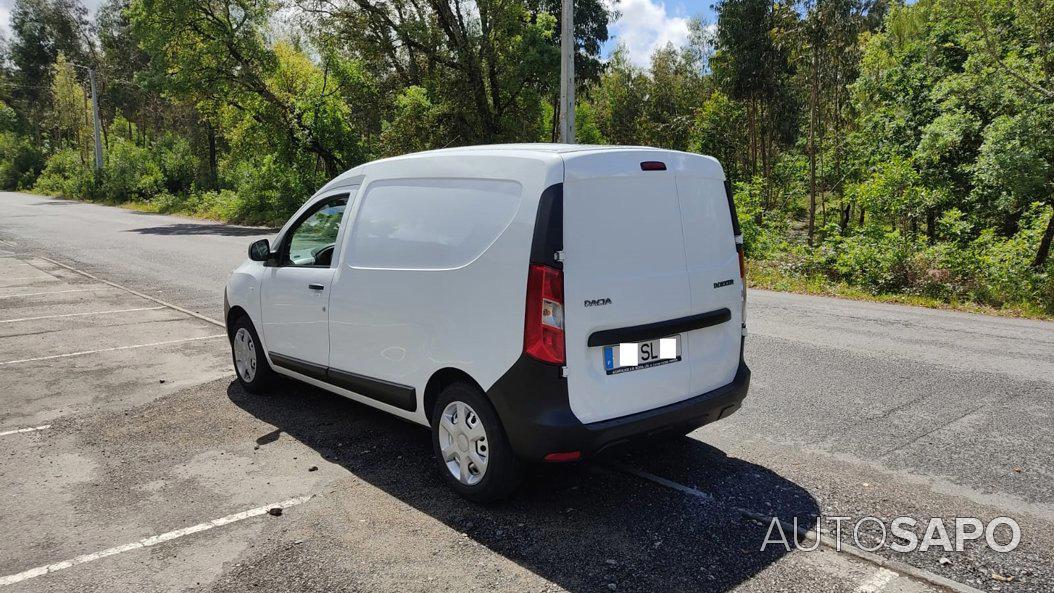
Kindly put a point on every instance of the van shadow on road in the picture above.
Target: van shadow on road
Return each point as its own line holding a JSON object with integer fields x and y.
{"x": 581, "y": 527}
{"x": 193, "y": 229}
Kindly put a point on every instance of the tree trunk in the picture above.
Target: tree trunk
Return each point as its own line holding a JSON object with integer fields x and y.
{"x": 931, "y": 225}
{"x": 812, "y": 145}
{"x": 554, "y": 129}
{"x": 1044, "y": 245}
{"x": 752, "y": 127}
{"x": 214, "y": 176}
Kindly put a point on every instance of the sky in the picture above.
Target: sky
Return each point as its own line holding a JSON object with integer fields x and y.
{"x": 643, "y": 26}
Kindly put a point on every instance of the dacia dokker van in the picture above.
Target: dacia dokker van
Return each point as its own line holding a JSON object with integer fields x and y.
{"x": 529, "y": 303}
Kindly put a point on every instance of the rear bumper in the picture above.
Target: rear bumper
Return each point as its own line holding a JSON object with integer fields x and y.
{"x": 538, "y": 419}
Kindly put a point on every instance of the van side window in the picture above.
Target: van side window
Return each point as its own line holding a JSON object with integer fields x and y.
{"x": 311, "y": 242}
{"x": 430, "y": 224}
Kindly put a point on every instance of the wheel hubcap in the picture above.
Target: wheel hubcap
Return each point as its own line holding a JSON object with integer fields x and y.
{"x": 244, "y": 355}
{"x": 463, "y": 443}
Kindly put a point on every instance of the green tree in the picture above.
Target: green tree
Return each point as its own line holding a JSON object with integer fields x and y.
{"x": 216, "y": 54}
{"x": 41, "y": 31}
{"x": 752, "y": 65}
{"x": 488, "y": 64}
{"x": 1015, "y": 167}
{"x": 675, "y": 89}
{"x": 618, "y": 99}
{"x": 719, "y": 130}
{"x": 415, "y": 125}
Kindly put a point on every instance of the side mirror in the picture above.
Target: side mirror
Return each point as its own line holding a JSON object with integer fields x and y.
{"x": 260, "y": 250}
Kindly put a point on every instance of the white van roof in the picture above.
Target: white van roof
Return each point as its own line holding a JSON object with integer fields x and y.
{"x": 547, "y": 152}
{"x": 540, "y": 147}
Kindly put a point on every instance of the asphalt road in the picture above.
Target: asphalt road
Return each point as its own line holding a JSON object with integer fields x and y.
{"x": 856, "y": 409}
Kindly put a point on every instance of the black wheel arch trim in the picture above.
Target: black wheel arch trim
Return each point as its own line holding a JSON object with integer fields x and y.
{"x": 659, "y": 329}
{"x": 397, "y": 395}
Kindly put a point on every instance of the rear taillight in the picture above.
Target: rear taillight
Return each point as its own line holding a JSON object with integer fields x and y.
{"x": 563, "y": 456}
{"x": 543, "y": 329}
{"x": 742, "y": 264}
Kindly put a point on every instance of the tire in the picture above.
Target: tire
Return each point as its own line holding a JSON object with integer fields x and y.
{"x": 460, "y": 410}
{"x": 254, "y": 373}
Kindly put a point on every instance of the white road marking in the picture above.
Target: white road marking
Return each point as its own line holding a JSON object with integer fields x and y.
{"x": 48, "y": 277}
{"x": 894, "y": 567}
{"x": 81, "y": 314}
{"x": 19, "y": 430}
{"x": 83, "y": 352}
{"x": 137, "y": 293}
{"x": 664, "y": 482}
{"x": 876, "y": 582}
{"x": 147, "y": 542}
{"x": 28, "y": 294}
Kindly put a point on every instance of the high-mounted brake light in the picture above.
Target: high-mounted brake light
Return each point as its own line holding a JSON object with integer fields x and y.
{"x": 543, "y": 328}
{"x": 653, "y": 166}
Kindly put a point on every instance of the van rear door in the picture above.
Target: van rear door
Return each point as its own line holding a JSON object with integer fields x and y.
{"x": 646, "y": 247}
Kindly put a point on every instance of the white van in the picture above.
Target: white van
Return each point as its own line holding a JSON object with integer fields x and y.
{"x": 530, "y": 303}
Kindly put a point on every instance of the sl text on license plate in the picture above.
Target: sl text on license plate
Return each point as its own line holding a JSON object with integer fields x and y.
{"x": 634, "y": 356}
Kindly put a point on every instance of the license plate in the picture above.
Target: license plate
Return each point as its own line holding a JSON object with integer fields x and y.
{"x": 634, "y": 356}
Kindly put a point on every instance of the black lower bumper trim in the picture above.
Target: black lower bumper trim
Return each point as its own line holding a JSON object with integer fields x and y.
{"x": 531, "y": 400}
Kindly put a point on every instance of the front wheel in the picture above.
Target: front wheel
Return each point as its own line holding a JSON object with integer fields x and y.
{"x": 470, "y": 446}
{"x": 250, "y": 363}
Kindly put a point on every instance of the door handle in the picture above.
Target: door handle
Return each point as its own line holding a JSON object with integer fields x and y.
{"x": 316, "y": 287}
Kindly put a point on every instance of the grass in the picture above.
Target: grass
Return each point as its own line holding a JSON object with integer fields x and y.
{"x": 769, "y": 277}
{"x": 154, "y": 208}
{"x": 199, "y": 208}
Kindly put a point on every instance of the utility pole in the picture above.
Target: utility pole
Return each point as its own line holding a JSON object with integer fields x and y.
{"x": 567, "y": 72}
{"x": 95, "y": 116}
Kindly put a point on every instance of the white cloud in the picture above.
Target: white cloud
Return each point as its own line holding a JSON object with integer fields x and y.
{"x": 644, "y": 26}
{"x": 7, "y": 5}
{"x": 5, "y": 18}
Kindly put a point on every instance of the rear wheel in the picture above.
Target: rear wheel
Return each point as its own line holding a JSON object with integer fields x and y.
{"x": 471, "y": 448}
{"x": 250, "y": 363}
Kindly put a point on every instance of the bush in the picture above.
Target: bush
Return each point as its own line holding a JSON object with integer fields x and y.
{"x": 217, "y": 205}
{"x": 130, "y": 173}
{"x": 20, "y": 161}
{"x": 985, "y": 269}
{"x": 269, "y": 189}
{"x": 1003, "y": 267}
{"x": 763, "y": 233}
{"x": 66, "y": 175}
{"x": 875, "y": 260}
{"x": 177, "y": 162}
